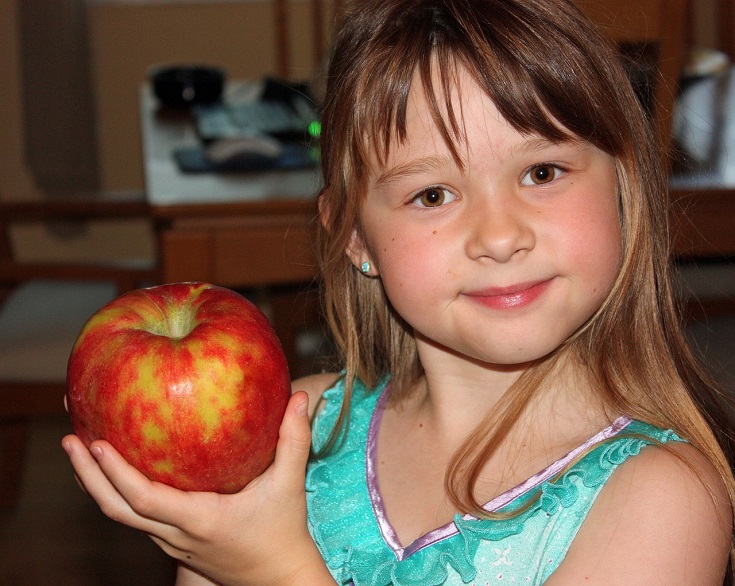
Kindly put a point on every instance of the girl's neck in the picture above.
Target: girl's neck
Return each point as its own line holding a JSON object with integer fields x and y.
{"x": 456, "y": 394}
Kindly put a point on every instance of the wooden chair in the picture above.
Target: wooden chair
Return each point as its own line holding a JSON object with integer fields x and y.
{"x": 43, "y": 308}
{"x": 722, "y": 31}
{"x": 656, "y": 31}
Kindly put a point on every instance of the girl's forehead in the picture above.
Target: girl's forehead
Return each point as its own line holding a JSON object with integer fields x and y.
{"x": 445, "y": 120}
{"x": 439, "y": 111}
{"x": 449, "y": 89}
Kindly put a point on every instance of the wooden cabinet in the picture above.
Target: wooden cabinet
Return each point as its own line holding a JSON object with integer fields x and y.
{"x": 239, "y": 250}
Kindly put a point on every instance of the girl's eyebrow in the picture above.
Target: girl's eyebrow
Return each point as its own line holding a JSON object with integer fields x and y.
{"x": 533, "y": 144}
{"x": 413, "y": 167}
{"x": 539, "y": 143}
{"x": 435, "y": 163}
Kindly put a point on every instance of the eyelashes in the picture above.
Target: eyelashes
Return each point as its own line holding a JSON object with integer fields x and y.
{"x": 436, "y": 195}
{"x": 542, "y": 173}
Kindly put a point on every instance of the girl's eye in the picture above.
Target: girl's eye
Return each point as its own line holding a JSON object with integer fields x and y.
{"x": 541, "y": 174}
{"x": 433, "y": 197}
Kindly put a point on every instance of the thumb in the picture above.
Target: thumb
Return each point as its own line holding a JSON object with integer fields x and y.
{"x": 294, "y": 441}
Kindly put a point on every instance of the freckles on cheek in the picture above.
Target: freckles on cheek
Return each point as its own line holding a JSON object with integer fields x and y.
{"x": 412, "y": 259}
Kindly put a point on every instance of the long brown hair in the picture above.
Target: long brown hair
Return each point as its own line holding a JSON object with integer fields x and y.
{"x": 549, "y": 71}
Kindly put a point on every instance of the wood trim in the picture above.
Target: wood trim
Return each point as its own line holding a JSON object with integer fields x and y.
{"x": 126, "y": 278}
{"x": 282, "y": 37}
{"x": 280, "y": 207}
{"x": 726, "y": 26}
{"x": 72, "y": 208}
{"x": 31, "y": 399}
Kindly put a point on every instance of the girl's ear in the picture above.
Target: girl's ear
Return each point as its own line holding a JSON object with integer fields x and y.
{"x": 356, "y": 250}
{"x": 323, "y": 208}
{"x": 360, "y": 256}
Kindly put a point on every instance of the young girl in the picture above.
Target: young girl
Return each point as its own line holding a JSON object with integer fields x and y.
{"x": 516, "y": 402}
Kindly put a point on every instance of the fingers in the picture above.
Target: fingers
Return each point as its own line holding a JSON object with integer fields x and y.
{"x": 93, "y": 480}
{"x": 148, "y": 499}
{"x": 294, "y": 442}
{"x": 122, "y": 493}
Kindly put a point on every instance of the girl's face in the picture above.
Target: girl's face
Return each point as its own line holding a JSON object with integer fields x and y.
{"x": 501, "y": 259}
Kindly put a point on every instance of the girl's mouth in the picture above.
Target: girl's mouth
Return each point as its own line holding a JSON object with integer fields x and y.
{"x": 511, "y": 297}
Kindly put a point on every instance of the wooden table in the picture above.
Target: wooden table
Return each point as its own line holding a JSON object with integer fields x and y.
{"x": 239, "y": 230}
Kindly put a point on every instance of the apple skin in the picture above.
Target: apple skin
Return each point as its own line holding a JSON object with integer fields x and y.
{"x": 188, "y": 381}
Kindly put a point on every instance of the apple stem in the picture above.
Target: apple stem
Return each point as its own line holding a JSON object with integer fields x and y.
{"x": 181, "y": 323}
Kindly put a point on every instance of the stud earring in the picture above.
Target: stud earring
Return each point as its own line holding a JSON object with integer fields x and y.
{"x": 365, "y": 267}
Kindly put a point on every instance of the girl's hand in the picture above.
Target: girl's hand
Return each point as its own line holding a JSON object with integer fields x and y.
{"x": 257, "y": 536}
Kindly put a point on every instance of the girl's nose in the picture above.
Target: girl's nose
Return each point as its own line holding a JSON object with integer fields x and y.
{"x": 500, "y": 229}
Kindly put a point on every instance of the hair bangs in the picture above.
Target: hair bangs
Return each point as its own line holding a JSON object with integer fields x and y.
{"x": 542, "y": 80}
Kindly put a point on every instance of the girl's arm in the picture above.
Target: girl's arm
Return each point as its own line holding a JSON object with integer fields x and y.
{"x": 663, "y": 518}
{"x": 185, "y": 576}
{"x": 257, "y": 536}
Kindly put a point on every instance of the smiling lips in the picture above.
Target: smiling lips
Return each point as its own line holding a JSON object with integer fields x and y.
{"x": 511, "y": 297}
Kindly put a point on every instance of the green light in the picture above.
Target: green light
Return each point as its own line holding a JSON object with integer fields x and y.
{"x": 314, "y": 129}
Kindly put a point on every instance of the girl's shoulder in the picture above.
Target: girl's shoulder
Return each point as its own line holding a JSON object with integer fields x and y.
{"x": 314, "y": 385}
{"x": 329, "y": 388}
{"x": 663, "y": 517}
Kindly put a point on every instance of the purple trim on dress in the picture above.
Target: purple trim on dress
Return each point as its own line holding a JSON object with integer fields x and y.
{"x": 389, "y": 534}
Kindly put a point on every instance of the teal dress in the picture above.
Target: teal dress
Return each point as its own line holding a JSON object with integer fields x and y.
{"x": 348, "y": 522}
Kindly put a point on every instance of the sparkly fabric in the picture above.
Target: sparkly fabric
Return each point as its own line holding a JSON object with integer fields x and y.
{"x": 348, "y": 523}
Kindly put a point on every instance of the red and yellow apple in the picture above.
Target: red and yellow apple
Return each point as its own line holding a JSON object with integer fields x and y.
{"x": 188, "y": 381}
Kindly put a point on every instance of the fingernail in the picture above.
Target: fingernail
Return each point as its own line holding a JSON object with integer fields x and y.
{"x": 96, "y": 452}
{"x": 67, "y": 447}
{"x": 302, "y": 407}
